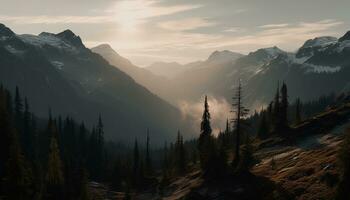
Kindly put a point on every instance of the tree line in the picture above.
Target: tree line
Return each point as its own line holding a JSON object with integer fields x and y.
{"x": 55, "y": 158}
{"x": 46, "y": 159}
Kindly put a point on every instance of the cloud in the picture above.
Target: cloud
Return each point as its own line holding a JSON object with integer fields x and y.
{"x": 174, "y": 43}
{"x": 239, "y": 11}
{"x": 185, "y": 24}
{"x": 45, "y": 19}
{"x": 219, "y": 109}
{"x": 289, "y": 36}
{"x": 123, "y": 12}
{"x": 273, "y": 26}
{"x": 130, "y": 13}
{"x": 234, "y": 30}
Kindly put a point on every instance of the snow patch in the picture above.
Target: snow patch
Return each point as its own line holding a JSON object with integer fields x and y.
{"x": 343, "y": 45}
{"x": 12, "y": 50}
{"x": 311, "y": 68}
{"x": 47, "y": 39}
{"x": 320, "y": 42}
{"x": 2, "y": 38}
{"x": 59, "y": 65}
{"x": 293, "y": 59}
{"x": 273, "y": 51}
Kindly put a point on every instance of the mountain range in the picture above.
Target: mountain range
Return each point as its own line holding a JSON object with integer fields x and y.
{"x": 319, "y": 67}
{"x": 57, "y": 72}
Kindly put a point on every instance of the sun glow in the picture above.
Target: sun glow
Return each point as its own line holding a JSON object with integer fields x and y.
{"x": 130, "y": 14}
{"x": 127, "y": 14}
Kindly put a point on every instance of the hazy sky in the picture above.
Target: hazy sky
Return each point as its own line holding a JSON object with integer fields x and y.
{"x": 146, "y": 31}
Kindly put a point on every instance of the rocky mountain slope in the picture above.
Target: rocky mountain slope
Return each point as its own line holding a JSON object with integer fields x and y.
{"x": 57, "y": 71}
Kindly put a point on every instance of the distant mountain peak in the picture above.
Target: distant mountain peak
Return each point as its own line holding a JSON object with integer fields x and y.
{"x": 70, "y": 37}
{"x": 166, "y": 63}
{"x": 267, "y": 53}
{"x": 319, "y": 41}
{"x": 223, "y": 56}
{"x": 105, "y": 48}
{"x": 106, "y": 51}
{"x": 5, "y": 31}
{"x": 273, "y": 50}
{"x": 66, "y": 34}
{"x": 345, "y": 37}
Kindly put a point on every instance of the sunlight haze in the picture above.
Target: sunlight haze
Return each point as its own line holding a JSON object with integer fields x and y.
{"x": 147, "y": 31}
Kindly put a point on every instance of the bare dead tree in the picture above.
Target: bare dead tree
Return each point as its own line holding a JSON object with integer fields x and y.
{"x": 239, "y": 113}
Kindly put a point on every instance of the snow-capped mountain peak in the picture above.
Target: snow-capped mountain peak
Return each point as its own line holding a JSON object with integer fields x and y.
{"x": 65, "y": 40}
{"x": 273, "y": 51}
{"x": 5, "y": 32}
{"x": 319, "y": 42}
{"x": 266, "y": 54}
{"x": 345, "y": 37}
{"x": 70, "y": 37}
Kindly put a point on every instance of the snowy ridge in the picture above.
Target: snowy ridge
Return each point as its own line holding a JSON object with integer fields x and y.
{"x": 320, "y": 42}
{"x": 59, "y": 65}
{"x": 311, "y": 68}
{"x": 273, "y": 51}
{"x": 47, "y": 39}
{"x": 321, "y": 69}
{"x": 12, "y": 50}
{"x": 343, "y": 45}
{"x": 3, "y": 38}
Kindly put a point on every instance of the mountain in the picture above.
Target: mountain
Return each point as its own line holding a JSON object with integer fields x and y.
{"x": 219, "y": 57}
{"x": 165, "y": 69}
{"x": 319, "y": 67}
{"x": 172, "y": 69}
{"x": 219, "y": 73}
{"x": 57, "y": 71}
{"x": 172, "y": 81}
{"x": 153, "y": 82}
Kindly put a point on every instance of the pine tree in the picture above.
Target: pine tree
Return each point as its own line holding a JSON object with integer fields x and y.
{"x": 205, "y": 143}
{"x": 240, "y": 112}
{"x": 100, "y": 133}
{"x": 269, "y": 115}
{"x": 18, "y": 107}
{"x": 83, "y": 146}
{"x": 226, "y": 136}
{"x": 18, "y": 177}
{"x": 136, "y": 165}
{"x": 6, "y": 129}
{"x": 205, "y": 124}
{"x": 165, "y": 162}
{"x": 96, "y": 151}
{"x": 84, "y": 193}
{"x": 247, "y": 158}
{"x": 54, "y": 176}
{"x": 28, "y": 135}
{"x": 276, "y": 109}
{"x": 263, "y": 126}
{"x": 221, "y": 164}
{"x": 180, "y": 154}
{"x": 284, "y": 107}
{"x": 148, "y": 161}
{"x": 297, "y": 111}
